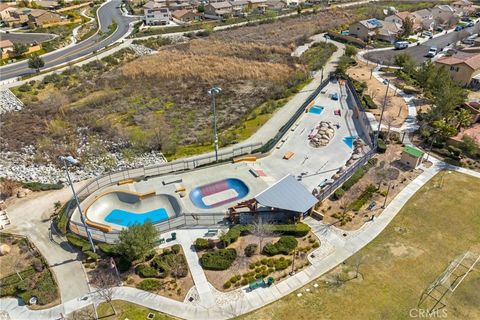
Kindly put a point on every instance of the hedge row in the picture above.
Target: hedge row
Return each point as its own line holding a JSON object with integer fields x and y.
{"x": 363, "y": 198}
{"x": 354, "y": 179}
{"x": 369, "y": 103}
{"x": 220, "y": 259}
{"x": 78, "y": 242}
{"x": 296, "y": 230}
{"x": 285, "y": 245}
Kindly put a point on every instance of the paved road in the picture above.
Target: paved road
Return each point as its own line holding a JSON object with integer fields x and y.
{"x": 418, "y": 52}
{"x": 107, "y": 13}
{"x": 26, "y": 37}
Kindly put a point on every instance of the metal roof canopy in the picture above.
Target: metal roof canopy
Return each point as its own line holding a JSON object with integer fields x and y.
{"x": 287, "y": 194}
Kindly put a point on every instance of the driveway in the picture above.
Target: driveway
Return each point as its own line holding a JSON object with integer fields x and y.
{"x": 418, "y": 52}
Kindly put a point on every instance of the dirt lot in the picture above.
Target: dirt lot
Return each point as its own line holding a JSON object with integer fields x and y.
{"x": 387, "y": 171}
{"x": 242, "y": 263}
{"x": 396, "y": 110}
{"x": 19, "y": 258}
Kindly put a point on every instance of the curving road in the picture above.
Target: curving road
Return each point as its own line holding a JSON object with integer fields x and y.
{"x": 106, "y": 14}
{"x": 386, "y": 57}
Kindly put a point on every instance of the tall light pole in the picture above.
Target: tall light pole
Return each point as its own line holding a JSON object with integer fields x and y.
{"x": 213, "y": 92}
{"x": 381, "y": 114}
{"x": 71, "y": 160}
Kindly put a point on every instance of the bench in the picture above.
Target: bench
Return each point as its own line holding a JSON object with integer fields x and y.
{"x": 171, "y": 179}
{"x": 126, "y": 181}
{"x": 254, "y": 173}
{"x": 288, "y": 155}
{"x": 211, "y": 232}
{"x": 245, "y": 159}
{"x": 255, "y": 284}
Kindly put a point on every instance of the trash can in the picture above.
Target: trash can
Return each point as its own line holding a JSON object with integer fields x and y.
{"x": 174, "y": 235}
{"x": 270, "y": 281}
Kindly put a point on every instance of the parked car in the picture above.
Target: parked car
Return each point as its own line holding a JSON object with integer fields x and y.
{"x": 427, "y": 34}
{"x": 432, "y": 52}
{"x": 469, "y": 25}
{"x": 466, "y": 19}
{"x": 334, "y": 96}
{"x": 399, "y": 45}
{"x": 459, "y": 28}
{"x": 439, "y": 29}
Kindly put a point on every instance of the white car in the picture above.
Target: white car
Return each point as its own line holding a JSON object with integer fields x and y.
{"x": 432, "y": 52}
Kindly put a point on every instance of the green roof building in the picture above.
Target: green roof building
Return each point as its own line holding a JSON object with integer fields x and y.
{"x": 412, "y": 157}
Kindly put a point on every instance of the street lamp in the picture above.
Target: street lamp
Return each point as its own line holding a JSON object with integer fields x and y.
{"x": 71, "y": 160}
{"x": 381, "y": 114}
{"x": 213, "y": 92}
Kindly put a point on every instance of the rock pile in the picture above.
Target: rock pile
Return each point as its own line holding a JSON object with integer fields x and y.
{"x": 357, "y": 149}
{"x": 321, "y": 135}
{"x": 22, "y": 166}
{"x": 9, "y": 102}
{"x": 141, "y": 50}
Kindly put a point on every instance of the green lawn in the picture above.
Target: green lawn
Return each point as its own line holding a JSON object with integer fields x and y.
{"x": 437, "y": 224}
{"x": 127, "y": 310}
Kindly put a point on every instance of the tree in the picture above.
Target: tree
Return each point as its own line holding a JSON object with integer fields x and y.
{"x": 36, "y": 62}
{"x": 463, "y": 118}
{"x": 19, "y": 48}
{"x": 137, "y": 240}
{"x": 350, "y": 50}
{"x": 469, "y": 146}
{"x": 407, "y": 26}
{"x": 105, "y": 282}
{"x": 262, "y": 231}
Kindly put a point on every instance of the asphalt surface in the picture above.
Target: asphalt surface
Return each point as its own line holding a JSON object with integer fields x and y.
{"x": 108, "y": 13}
{"x": 418, "y": 52}
{"x": 26, "y": 37}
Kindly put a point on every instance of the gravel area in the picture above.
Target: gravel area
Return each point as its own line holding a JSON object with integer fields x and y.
{"x": 9, "y": 102}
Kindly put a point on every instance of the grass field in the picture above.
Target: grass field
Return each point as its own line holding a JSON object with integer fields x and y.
{"x": 127, "y": 310}
{"x": 440, "y": 222}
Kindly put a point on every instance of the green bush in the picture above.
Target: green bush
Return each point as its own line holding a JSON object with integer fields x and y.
{"x": 108, "y": 249}
{"x": 146, "y": 271}
{"x": 338, "y": 194}
{"x": 251, "y": 249}
{"x": 316, "y": 244}
{"x": 92, "y": 255}
{"x": 363, "y": 198}
{"x": 227, "y": 285}
{"x": 369, "y": 103}
{"x": 201, "y": 244}
{"x": 296, "y": 230}
{"x": 176, "y": 248}
{"x": 37, "y": 186}
{"x": 78, "y": 242}
{"x": 282, "y": 264}
{"x": 284, "y": 245}
{"x": 234, "y": 233}
{"x": 123, "y": 264}
{"x": 221, "y": 259}
{"x": 149, "y": 285}
{"x": 244, "y": 282}
{"x": 381, "y": 146}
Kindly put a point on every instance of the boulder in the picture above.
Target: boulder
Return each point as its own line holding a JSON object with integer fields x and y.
{"x": 4, "y": 249}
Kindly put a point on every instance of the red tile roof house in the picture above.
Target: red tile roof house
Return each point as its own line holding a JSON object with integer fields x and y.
{"x": 187, "y": 15}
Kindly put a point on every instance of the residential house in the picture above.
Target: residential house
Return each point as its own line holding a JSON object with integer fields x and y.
{"x": 463, "y": 67}
{"x": 365, "y": 29}
{"x": 425, "y": 19}
{"x": 156, "y": 13}
{"x": 42, "y": 18}
{"x": 258, "y": 6}
{"x": 6, "y": 46}
{"x": 5, "y": 9}
{"x": 399, "y": 18}
{"x": 388, "y": 31}
{"x": 218, "y": 10}
{"x": 239, "y": 7}
{"x": 463, "y": 7}
{"x": 180, "y": 5}
{"x": 187, "y": 15}
{"x": 276, "y": 4}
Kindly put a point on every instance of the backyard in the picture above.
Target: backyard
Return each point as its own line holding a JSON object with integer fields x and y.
{"x": 439, "y": 223}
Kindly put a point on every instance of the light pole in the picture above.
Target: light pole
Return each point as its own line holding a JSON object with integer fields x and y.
{"x": 213, "y": 92}
{"x": 381, "y": 114}
{"x": 71, "y": 160}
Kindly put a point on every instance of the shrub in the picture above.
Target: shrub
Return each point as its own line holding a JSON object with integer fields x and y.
{"x": 227, "y": 285}
{"x": 284, "y": 245}
{"x": 264, "y": 261}
{"x": 221, "y": 259}
{"x": 149, "y": 285}
{"x": 369, "y": 103}
{"x": 381, "y": 146}
{"x": 251, "y": 266}
{"x": 363, "y": 198}
{"x": 146, "y": 271}
{"x": 234, "y": 233}
{"x": 123, "y": 264}
{"x": 149, "y": 256}
{"x": 251, "y": 249}
{"x": 176, "y": 248}
{"x": 316, "y": 244}
{"x": 37, "y": 186}
{"x": 92, "y": 255}
{"x": 282, "y": 264}
{"x": 244, "y": 282}
{"x": 296, "y": 230}
{"x": 78, "y": 242}
{"x": 201, "y": 244}
{"x": 108, "y": 249}
{"x": 338, "y": 194}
